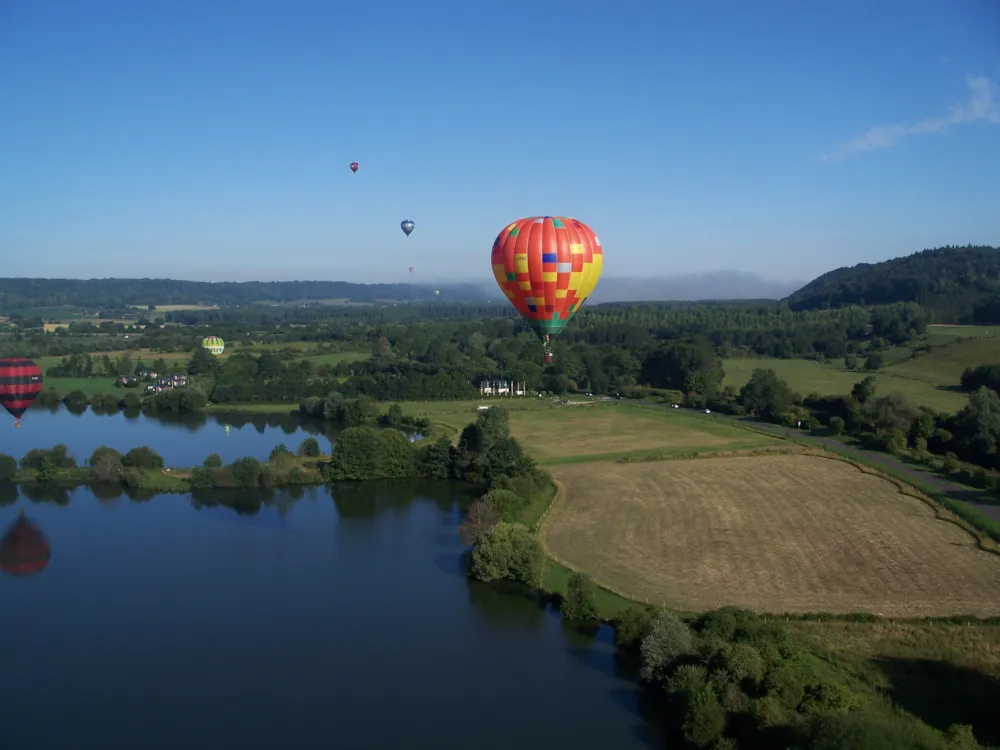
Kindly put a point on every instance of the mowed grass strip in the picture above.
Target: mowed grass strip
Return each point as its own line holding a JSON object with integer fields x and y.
{"x": 774, "y": 534}
{"x": 833, "y": 379}
{"x": 556, "y": 433}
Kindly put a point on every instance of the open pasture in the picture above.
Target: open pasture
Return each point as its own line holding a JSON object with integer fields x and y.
{"x": 943, "y": 365}
{"x": 89, "y": 386}
{"x": 557, "y": 433}
{"x": 779, "y": 533}
{"x": 945, "y": 331}
{"x": 807, "y": 376}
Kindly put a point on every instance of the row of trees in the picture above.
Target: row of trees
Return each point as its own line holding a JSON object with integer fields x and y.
{"x": 883, "y": 421}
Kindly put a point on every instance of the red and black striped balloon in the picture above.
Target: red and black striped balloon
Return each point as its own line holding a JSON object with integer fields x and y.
{"x": 20, "y": 382}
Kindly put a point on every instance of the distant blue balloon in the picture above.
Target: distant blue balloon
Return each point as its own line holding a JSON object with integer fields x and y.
{"x": 407, "y": 226}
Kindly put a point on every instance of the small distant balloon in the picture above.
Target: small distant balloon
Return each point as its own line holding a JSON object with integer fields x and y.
{"x": 411, "y": 269}
{"x": 407, "y": 226}
{"x": 354, "y": 167}
{"x": 437, "y": 291}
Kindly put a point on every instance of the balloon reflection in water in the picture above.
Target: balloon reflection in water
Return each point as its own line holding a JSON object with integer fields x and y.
{"x": 24, "y": 550}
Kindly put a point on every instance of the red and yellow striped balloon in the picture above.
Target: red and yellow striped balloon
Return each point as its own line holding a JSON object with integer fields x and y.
{"x": 547, "y": 266}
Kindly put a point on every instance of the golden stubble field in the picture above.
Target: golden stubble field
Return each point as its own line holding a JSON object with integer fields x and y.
{"x": 787, "y": 533}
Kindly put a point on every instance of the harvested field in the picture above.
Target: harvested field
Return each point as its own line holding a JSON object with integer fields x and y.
{"x": 789, "y": 533}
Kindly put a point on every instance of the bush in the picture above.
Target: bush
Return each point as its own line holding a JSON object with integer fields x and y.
{"x": 632, "y": 626}
{"x": 578, "y": 604}
{"x": 508, "y": 551}
{"x": 212, "y": 461}
{"x": 142, "y": 458}
{"x": 309, "y": 447}
{"x": 246, "y": 471}
{"x": 58, "y": 457}
{"x": 278, "y": 451}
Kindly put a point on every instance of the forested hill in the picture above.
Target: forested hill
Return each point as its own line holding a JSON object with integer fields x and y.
{"x": 954, "y": 284}
{"x": 117, "y": 293}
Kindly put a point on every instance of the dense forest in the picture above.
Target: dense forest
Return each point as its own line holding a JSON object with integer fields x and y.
{"x": 953, "y": 284}
{"x": 19, "y": 294}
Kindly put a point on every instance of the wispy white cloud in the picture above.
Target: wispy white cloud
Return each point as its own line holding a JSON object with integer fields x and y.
{"x": 983, "y": 105}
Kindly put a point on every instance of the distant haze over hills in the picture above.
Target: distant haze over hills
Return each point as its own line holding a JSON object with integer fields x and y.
{"x": 711, "y": 285}
{"x": 957, "y": 284}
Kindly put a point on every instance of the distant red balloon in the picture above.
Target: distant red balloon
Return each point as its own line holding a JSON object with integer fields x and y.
{"x": 411, "y": 269}
{"x": 354, "y": 166}
{"x": 24, "y": 551}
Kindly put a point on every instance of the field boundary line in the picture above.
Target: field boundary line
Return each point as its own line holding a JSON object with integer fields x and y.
{"x": 941, "y": 512}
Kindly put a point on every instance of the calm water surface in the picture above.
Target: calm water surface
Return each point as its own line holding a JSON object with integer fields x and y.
{"x": 182, "y": 440}
{"x": 322, "y": 618}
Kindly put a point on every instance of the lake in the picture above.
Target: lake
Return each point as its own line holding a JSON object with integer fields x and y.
{"x": 182, "y": 439}
{"x": 319, "y": 617}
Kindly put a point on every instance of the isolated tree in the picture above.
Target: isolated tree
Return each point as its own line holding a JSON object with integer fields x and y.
{"x": 578, "y": 604}
{"x": 766, "y": 395}
{"x": 864, "y": 390}
{"x": 106, "y": 464}
{"x": 309, "y": 447}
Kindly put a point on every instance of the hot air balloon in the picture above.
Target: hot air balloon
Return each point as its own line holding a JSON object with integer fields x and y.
{"x": 24, "y": 551}
{"x": 407, "y": 226}
{"x": 354, "y": 167}
{"x": 547, "y": 266}
{"x": 411, "y": 269}
{"x": 20, "y": 382}
{"x": 214, "y": 345}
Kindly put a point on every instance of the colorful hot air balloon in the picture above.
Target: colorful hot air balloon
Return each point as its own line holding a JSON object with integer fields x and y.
{"x": 20, "y": 382}
{"x": 407, "y": 226}
{"x": 214, "y": 345}
{"x": 547, "y": 266}
{"x": 354, "y": 167}
{"x": 24, "y": 550}
{"x": 411, "y": 269}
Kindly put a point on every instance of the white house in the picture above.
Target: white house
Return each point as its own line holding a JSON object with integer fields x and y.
{"x": 502, "y": 388}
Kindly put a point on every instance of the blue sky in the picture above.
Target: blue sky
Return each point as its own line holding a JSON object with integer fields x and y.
{"x": 210, "y": 139}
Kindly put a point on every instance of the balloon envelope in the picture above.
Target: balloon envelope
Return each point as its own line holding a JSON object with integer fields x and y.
{"x": 407, "y": 226}
{"x": 20, "y": 383}
{"x": 547, "y": 266}
{"x": 411, "y": 269}
{"x": 354, "y": 166}
{"x": 214, "y": 345}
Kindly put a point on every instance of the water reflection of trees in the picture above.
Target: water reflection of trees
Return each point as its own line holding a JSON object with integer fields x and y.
{"x": 352, "y": 500}
{"x": 288, "y": 423}
{"x": 508, "y": 602}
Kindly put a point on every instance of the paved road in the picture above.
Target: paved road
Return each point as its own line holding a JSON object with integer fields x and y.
{"x": 955, "y": 491}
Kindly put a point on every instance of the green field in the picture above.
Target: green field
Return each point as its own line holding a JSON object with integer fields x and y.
{"x": 951, "y": 332}
{"x": 928, "y": 377}
{"x": 90, "y": 386}
{"x": 833, "y": 379}
{"x": 563, "y": 434}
